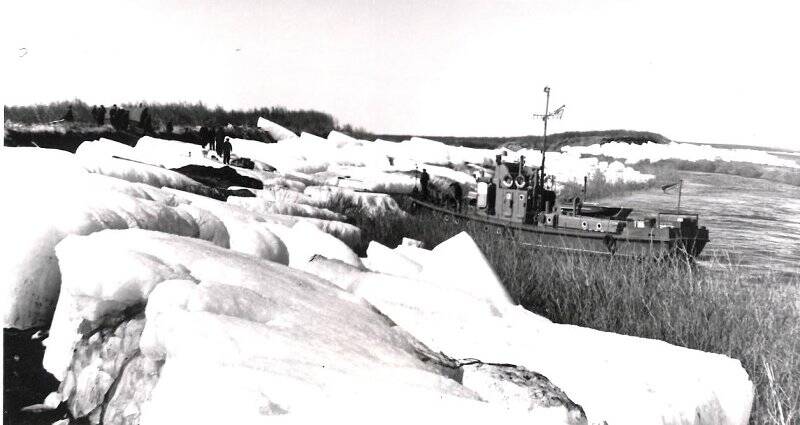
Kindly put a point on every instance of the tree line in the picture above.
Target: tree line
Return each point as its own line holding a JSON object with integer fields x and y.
{"x": 189, "y": 114}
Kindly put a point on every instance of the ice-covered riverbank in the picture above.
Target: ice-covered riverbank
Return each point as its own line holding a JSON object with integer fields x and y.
{"x": 163, "y": 299}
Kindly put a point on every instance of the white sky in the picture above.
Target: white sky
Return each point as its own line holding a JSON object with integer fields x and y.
{"x": 702, "y": 71}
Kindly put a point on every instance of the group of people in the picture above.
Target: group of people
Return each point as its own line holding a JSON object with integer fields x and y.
{"x": 453, "y": 196}
{"x": 215, "y": 139}
{"x": 145, "y": 120}
{"x": 119, "y": 117}
{"x": 99, "y": 114}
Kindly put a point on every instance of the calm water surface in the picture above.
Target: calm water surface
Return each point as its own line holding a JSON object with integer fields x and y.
{"x": 754, "y": 223}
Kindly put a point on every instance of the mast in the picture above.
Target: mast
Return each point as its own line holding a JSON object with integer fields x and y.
{"x": 544, "y": 137}
{"x": 545, "y": 117}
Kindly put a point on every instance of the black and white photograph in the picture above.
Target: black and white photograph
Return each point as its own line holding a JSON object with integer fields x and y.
{"x": 549, "y": 212}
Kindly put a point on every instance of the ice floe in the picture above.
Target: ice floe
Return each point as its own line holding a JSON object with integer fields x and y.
{"x": 267, "y": 340}
{"x": 164, "y": 299}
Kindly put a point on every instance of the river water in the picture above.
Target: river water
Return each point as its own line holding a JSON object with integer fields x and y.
{"x": 753, "y": 223}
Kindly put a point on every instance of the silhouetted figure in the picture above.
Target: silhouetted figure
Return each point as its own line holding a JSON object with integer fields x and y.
{"x": 424, "y": 178}
{"x": 69, "y": 116}
{"x": 226, "y": 151}
{"x": 124, "y": 119}
{"x": 204, "y": 138}
{"x": 220, "y": 140}
{"x": 456, "y": 195}
{"x": 94, "y": 113}
{"x": 113, "y": 116}
{"x": 169, "y": 127}
{"x": 101, "y": 115}
{"x": 491, "y": 194}
{"x": 210, "y": 140}
{"x": 577, "y": 205}
{"x": 145, "y": 122}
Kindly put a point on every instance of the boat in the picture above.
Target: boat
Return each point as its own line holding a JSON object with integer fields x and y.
{"x": 519, "y": 201}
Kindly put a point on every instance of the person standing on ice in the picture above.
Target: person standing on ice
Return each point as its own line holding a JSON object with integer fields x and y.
{"x": 226, "y": 151}
{"x": 101, "y": 115}
{"x": 423, "y": 183}
{"x": 203, "y": 135}
{"x": 113, "y": 116}
{"x": 124, "y": 118}
{"x": 69, "y": 116}
{"x": 220, "y": 140}
{"x": 210, "y": 139}
{"x": 145, "y": 121}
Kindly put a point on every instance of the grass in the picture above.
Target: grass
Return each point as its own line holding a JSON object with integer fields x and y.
{"x": 722, "y": 309}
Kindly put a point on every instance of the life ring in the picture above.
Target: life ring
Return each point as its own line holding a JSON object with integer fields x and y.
{"x": 599, "y": 227}
{"x": 520, "y": 182}
{"x": 455, "y": 221}
{"x": 507, "y": 181}
{"x": 584, "y": 225}
{"x": 446, "y": 218}
{"x": 549, "y": 219}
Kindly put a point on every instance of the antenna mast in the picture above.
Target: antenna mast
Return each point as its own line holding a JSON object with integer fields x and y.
{"x": 546, "y": 116}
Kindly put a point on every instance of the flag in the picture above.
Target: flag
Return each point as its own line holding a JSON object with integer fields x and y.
{"x": 670, "y": 186}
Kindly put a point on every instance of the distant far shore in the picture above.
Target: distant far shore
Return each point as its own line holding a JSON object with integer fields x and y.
{"x": 315, "y": 122}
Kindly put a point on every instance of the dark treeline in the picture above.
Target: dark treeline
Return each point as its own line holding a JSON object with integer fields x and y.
{"x": 554, "y": 141}
{"x": 311, "y": 121}
{"x": 188, "y": 114}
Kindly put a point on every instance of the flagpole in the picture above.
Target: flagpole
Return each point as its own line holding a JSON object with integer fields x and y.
{"x": 680, "y": 188}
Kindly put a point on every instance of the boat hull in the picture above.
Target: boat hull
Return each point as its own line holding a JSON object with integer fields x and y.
{"x": 658, "y": 244}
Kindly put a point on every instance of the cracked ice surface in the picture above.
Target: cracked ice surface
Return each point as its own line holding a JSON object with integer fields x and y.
{"x": 246, "y": 338}
{"x": 60, "y": 198}
{"x": 272, "y": 339}
{"x": 462, "y": 311}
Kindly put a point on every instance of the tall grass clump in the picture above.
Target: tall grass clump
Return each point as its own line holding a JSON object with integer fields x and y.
{"x": 750, "y": 316}
{"x": 722, "y": 309}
